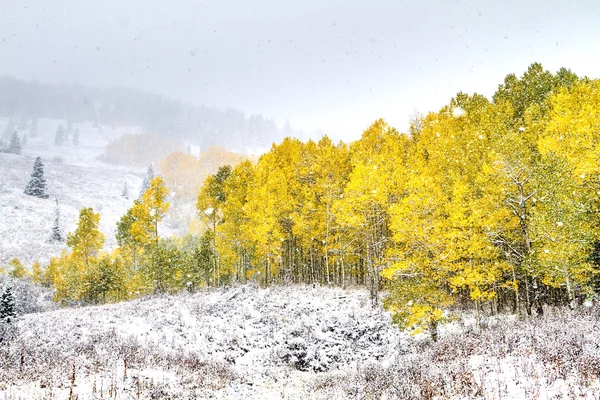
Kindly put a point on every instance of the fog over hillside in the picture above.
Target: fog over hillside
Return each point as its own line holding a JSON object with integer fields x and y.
{"x": 199, "y": 125}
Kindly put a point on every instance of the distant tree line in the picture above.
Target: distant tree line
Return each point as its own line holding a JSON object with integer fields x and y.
{"x": 153, "y": 113}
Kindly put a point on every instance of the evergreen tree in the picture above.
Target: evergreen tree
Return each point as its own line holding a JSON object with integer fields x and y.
{"x": 76, "y": 138}
{"x": 57, "y": 234}
{"x": 286, "y": 131}
{"x": 125, "y": 192}
{"x": 150, "y": 174}
{"x": 15, "y": 144}
{"x": 24, "y": 140}
{"x": 33, "y": 130}
{"x": 59, "y": 138}
{"x": 9, "y": 129}
{"x": 22, "y": 123}
{"x": 7, "y": 306}
{"x": 37, "y": 184}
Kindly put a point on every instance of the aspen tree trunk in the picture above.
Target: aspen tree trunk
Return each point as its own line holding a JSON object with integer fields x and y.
{"x": 516, "y": 289}
{"x": 327, "y": 244}
{"x": 268, "y": 266}
{"x": 433, "y": 329}
{"x": 569, "y": 288}
{"x": 343, "y": 266}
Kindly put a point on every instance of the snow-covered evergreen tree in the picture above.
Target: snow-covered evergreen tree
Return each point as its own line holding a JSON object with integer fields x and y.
{"x": 22, "y": 123}
{"x": 7, "y": 306}
{"x": 57, "y": 235}
{"x": 76, "y": 138}
{"x": 9, "y": 129}
{"x": 37, "y": 183}
{"x": 33, "y": 130}
{"x": 125, "y": 192}
{"x": 146, "y": 183}
{"x": 59, "y": 138}
{"x": 15, "y": 144}
{"x": 24, "y": 140}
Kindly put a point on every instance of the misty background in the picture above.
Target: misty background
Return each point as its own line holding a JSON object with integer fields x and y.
{"x": 247, "y": 67}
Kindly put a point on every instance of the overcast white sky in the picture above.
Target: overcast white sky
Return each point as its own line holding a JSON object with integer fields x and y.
{"x": 334, "y": 65}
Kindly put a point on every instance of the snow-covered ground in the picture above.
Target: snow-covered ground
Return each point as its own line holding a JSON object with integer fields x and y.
{"x": 242, "y": 342}
{"x": 293, "y": 342}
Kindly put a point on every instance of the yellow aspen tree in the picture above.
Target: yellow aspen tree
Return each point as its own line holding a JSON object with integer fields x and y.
{"x": 147, "y": 214}
{"x": 87, "y": 240}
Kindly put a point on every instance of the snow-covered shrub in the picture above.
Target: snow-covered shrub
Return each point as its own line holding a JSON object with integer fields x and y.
{"x": 8, "y": 332}
{"x": 29, "y": 297}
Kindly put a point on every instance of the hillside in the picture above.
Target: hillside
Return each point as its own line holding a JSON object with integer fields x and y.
{"x": 74, "y": 176}
{"x": 202, "y": 126}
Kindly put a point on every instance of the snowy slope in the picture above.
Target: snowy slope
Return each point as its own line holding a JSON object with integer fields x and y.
{"x": 74, "y": 176}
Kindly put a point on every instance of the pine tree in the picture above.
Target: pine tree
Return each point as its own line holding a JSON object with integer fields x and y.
{"x": 24, "y": 140}
{"x": 76, "y": 138}
{"x": 7, "y": 306}
{"x": 15, "y": 144}
{"x": 59, "y": 138}
{"x": 150, "y": 174}
{"x": 125, "y": 192}
{"x": 22, "y": 123}
{"x": 33, "y": 130}
{"x": 37, "y": 184}
{"x": 57, "y": 234}
{"x": 9, "y": 129}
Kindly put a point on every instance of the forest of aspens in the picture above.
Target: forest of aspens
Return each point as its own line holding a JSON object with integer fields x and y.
{"x": 489, "y": 204}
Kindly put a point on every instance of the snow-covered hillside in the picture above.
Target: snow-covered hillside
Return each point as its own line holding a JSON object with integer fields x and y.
{"x": 74, "y": 176}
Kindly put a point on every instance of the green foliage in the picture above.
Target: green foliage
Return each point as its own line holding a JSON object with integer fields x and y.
{"x": 7, "y": 306}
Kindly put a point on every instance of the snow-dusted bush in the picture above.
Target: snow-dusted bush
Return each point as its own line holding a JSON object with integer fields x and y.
{"x": 558, "y": 354}
{"x": 298, "y": 342}
{"x": 29, "y": 297}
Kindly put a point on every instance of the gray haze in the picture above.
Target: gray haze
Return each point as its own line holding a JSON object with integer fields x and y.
{"x": 334, "y": 65}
